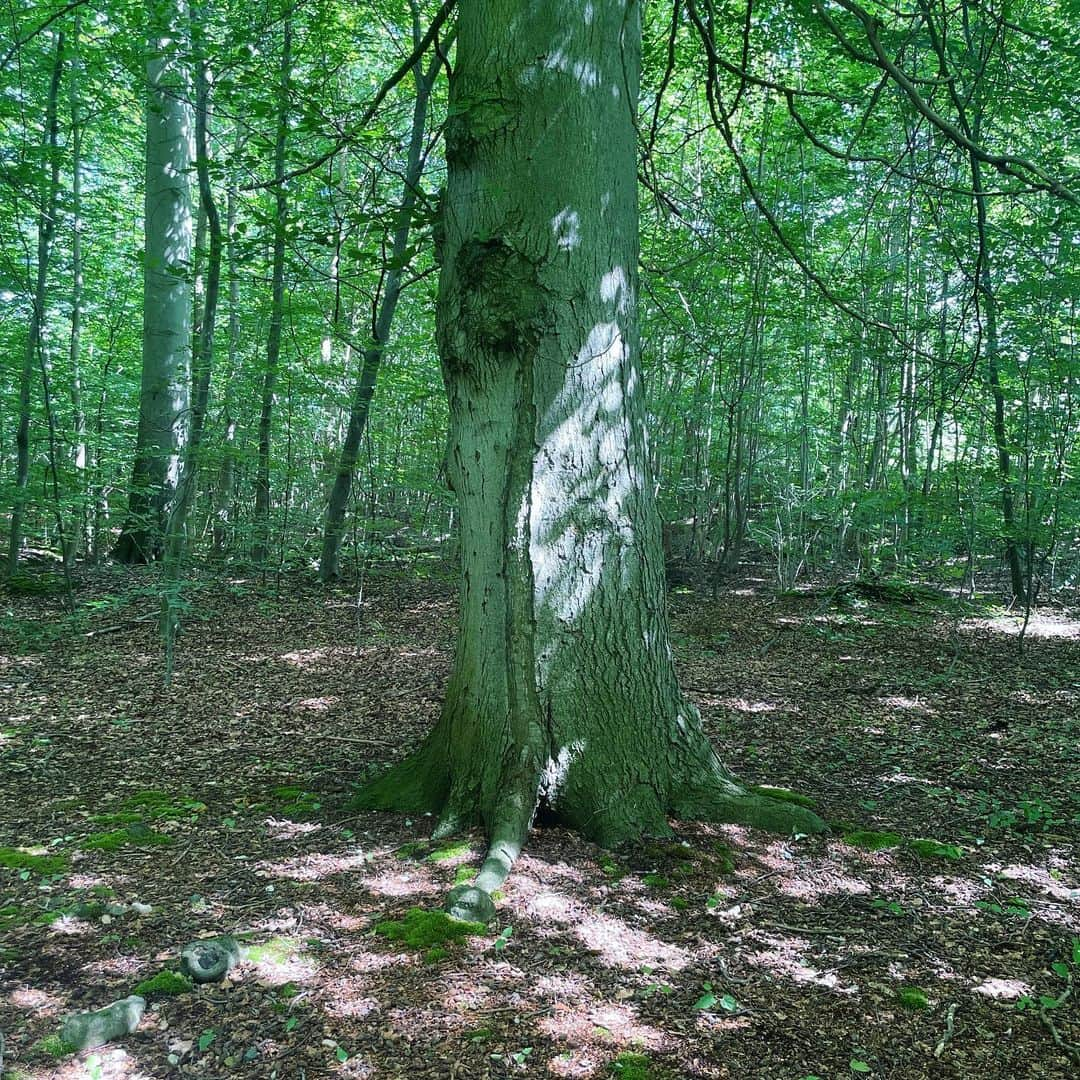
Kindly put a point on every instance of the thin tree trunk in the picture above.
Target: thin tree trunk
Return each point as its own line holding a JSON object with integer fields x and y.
{"x": 260, "y": 550}
{"x": 176, "y": 531}
{"x": 226, "y": 479}
{"x": 81, "y": 533}
{"x": 46, "y": 231}
{"x": 334, "y": 528}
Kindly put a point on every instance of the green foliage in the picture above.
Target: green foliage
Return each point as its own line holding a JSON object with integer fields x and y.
{"x": 165, "y": 983}
{"x": 422, "y": 930}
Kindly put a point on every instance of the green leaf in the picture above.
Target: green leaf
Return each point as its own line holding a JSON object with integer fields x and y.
{"x": 206, "y": 1038}
{"x": 291, "y": 1023}
{"x": 706, "y": 1001}
{"x": 1060, "y": 968}
{"x": 858, "y": 1066}
{"x": 341, "y": 1054}
{"x": 728, "y": 1003}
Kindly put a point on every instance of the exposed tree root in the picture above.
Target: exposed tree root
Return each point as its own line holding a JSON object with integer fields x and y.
{"x": 421, "y": 784}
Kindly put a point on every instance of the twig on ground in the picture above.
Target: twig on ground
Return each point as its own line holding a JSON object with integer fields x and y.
{"x": 946, "y": 1037}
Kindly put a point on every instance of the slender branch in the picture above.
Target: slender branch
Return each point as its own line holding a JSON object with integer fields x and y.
{"x": 351, "y": 133}
{"x": 39, "y": 29}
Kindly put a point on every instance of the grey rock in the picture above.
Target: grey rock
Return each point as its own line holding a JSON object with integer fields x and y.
{"x": 470, "y": 903}
{"x": 209, "y": 959}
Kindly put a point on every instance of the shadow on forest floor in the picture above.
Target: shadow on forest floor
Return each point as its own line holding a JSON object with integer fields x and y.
{"x": 727, "y": 953}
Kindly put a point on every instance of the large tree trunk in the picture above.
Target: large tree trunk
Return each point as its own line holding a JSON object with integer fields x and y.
{"x": 166, "y": 359}
{"x": 563, "y": 691}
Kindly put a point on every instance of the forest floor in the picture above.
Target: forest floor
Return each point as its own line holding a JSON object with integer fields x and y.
{"x": 218, "y": 806}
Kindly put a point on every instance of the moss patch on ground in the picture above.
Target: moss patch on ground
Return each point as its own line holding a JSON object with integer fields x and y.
{"x": 121, "y": 838}
{"x": 785, "y": 795}
{"x": 881, "y": 841}
{"x": 275, "y": 950}
{"x": 911, "y": 997}
{"x": 934, "y": 849}
{"x": 296, "y": 802}
{"x": 446, "y": 852}
{"x": 52, "y": 1046}
{"x": 630, "y": 1066}
{"x": 150, "y": 805}
{"x": 423, "y": 930}
{"x": 17, "y": 859}
{"x": 873, "y": 841}
{"x": 164, "y": 984}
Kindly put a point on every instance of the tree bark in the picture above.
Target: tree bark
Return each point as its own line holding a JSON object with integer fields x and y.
{"x": 166, "y": 357}
{"x": 563, "y": 691}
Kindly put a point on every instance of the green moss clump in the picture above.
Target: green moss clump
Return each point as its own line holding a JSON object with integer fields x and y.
{"x": 873, "y": 841}
{"x": 934, "y": 849}
{"x": 680, "y": 903}
{"x": 10, "y": 915}
{"x": 611, "y": 869}
{"x": 911, "y": 997}
{"x": 164, "y": 984}
{"x": 723, "y": 857}
{"x": 656, "y": 881}
{"x": 450, "y": 851}
{"x": 464, "y": 875}
{"x": 289, "y": 794}
{"x": 119, "y": 838}
{"x": 52, "y": 1046}
{"x": 16, "y": 859}
{"x": 409, "y": 850}
{"x": 425, "y": 929}
{"x": 118, "y": 817}
{"x": 628, "y": 1066}
{"x": 785, "y": 795}
{"x": 435, "y": 955}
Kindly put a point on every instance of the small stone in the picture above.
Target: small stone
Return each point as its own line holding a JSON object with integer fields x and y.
{"x": 209, "y": 959}
{"x": 470, "y": 904}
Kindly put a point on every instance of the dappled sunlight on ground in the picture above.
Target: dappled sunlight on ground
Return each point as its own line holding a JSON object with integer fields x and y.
{"x": 785, "y": 957}
{"x": 398, "y": 883}
{"x": 37, "y": 1001}
{"x": 313, "y": 867}
{"x": 591, "y": 953}
{"x": 624, "y": 946}
{"x": 1041, "y": 878}
{"x": 600, "y": 1024}
{"x": 287, "y": 829}
{"x": 1003, "y": 989}
{"x": 1039, "y": 626}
